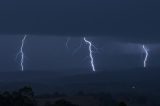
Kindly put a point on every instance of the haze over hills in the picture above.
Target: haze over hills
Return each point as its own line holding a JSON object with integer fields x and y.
{"x": 103, "y": 81}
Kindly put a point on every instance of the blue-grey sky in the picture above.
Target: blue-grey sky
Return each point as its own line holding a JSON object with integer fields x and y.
{"x": 117, "y": 28}
{"x": 49, "y": 53}
{"x": 134, "y": 20}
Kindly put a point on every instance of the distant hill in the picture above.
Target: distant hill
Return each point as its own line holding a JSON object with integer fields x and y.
{"x": 138, "y": 79}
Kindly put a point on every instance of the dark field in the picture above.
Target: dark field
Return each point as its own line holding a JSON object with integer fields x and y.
{"x": 136, "y": 87}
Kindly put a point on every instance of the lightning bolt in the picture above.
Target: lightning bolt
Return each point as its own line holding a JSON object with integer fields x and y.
{"x": 146, "y": 56}
{"x": 68, "y": 39}
{"x": 22, "y": 53}
{"x": 90, "y": 53}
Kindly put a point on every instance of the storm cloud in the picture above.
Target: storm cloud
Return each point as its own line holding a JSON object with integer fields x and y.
{"x": 129, "y": 20}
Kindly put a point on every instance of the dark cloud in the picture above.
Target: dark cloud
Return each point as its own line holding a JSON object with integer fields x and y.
{"x": 130, "y": 20}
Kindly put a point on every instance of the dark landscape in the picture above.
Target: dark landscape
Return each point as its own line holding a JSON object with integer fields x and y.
{"x": 79, "y": 53}
{"x": 135, "y": 87}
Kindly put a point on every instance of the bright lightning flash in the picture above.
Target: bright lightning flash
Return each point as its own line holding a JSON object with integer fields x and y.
{"x": 22, "y": 53}
{"x": 90, "y": 53}
{"x": 146, "y": 57}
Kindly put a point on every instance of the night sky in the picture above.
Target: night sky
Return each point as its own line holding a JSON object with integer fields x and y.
{"x": 50, "y": 53}
{"x": 118, "y": 28}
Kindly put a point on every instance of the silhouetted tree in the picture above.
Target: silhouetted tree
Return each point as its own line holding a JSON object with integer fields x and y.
{"x": 24, "y": 97}
{"x": 26, "y": 91}
{"x": 63, "y": 102}
{"x": 122, "y": 104}
{"x": 6, "y": 99}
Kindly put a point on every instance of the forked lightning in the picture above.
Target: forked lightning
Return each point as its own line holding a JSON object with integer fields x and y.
{"x": 21, "y": 53}
{"x": 146, "y": 56}
{"x": 90, "y": 53}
